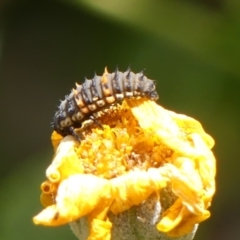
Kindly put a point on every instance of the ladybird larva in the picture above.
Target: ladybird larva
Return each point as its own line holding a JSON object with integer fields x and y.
{"x": 100, "y": 93}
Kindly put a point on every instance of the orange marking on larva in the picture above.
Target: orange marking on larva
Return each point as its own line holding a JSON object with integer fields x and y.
{"x": 129, "y": 94}
{"x": 137, "y": 93}
{"x": 100, "y": 103}
{"x": 92, "y": 107}
{"x": 74, "y": 117}
{"x": 106, "y": 91}
{"x": 79, "y": 102}
{"x": 75, "y": 92}
{"x": 120, "y": 96}
{"x": 105, "y": 70}
{"x": 110, "y": 99}
{"x": 95, "y": 98}
{"x": 84, "y": 110}
{"x": 80, "y": 115}
{"x": 67, "y": 121}
{"x": 104, "y": 79}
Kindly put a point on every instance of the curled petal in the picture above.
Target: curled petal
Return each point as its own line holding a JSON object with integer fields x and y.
{"x": 177, "y": 220}
{"x": 172, "y": 217}
{"x": 49, "y": 191}
{"x": 77, "y": 196}
{"x": 133, "y": 188}
{"x": 171, "y": 128}
{"x": 65, "y": 161}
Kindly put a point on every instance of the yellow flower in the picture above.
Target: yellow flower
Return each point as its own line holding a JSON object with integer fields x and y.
{"x": 144, "y": 157}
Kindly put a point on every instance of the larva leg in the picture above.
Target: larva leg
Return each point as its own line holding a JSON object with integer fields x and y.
{"x": 77, "y": 137}
{"x": 93, "y": 118}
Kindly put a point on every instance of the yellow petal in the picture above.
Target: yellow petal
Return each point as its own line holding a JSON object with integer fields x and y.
{"x": 178, "y": 221}
{"x": 77, "y": 196}
{"x": 49, "y": 191}
{"x": 65, "y": 161}
{"x": 135, "y": 187}
{"x": 172, "y": 217}
{"x": 55, "y": 138}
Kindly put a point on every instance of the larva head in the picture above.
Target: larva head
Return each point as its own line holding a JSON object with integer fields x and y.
{"x": 62, "y": 121}
{"x": 57, "y": 125}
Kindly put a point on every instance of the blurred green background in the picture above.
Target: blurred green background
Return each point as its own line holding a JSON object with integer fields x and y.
{"x": 192, "y": 49}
